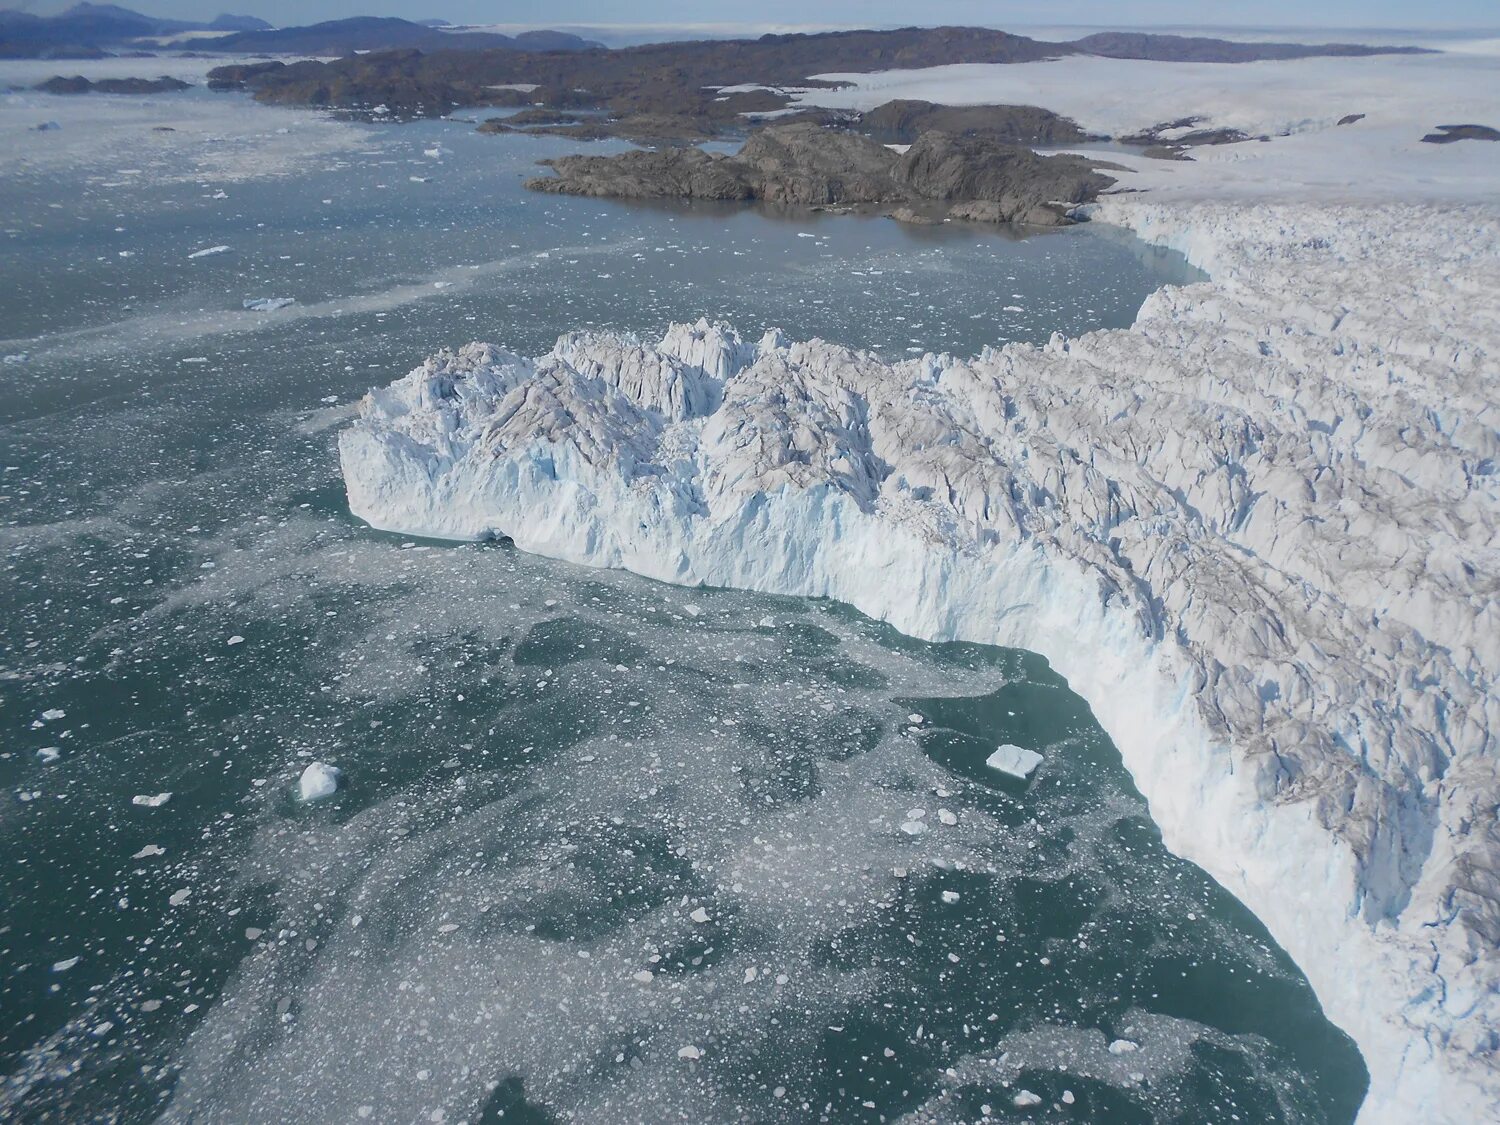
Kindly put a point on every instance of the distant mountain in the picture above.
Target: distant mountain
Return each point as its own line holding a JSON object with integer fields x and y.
{"x": 227, "y": 22}
{"x": 87, "y": 30}
{"x": 84, "y": 30}
{"x": 380, "y": 33}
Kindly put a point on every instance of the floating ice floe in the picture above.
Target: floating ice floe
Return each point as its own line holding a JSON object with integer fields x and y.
{"x": 150, "y": 802}
{"x": 17, "y": 357}
{"x": 268, "y": 304}
{"x": 49, "y": 753}
{"x": 1014, "y": 761}
{"x": 209, "y": 251}
{"x": 318, "y": 781}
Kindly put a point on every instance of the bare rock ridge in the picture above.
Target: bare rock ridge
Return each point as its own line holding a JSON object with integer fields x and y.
{"x": 683, "y": 78}
{"x": 902, "y": 121}
{"x": 807, "y": 165}
{"x": 1184, "y": 48}
{"x": 81, "y": 85}
{"x": 1447, "y": 134}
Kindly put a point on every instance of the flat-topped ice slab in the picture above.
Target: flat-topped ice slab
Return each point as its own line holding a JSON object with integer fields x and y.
{"x": 1014, "y": 761}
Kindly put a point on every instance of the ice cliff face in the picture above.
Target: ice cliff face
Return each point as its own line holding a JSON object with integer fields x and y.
{"x": 1258, "y": 531}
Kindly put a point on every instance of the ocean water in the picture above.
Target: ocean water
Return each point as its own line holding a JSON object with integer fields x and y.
{"x": 604, "y": 850}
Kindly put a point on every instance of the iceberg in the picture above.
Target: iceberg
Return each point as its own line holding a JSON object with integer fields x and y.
{"x": 1257, "y": 530}
{"x": 268, "y": 304}
{"x": 318, "y": 781}
{"x": 1016, "y": 761}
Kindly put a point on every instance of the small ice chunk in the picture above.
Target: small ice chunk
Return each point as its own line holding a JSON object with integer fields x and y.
{"x": 149, "y": 802}
{"x": 1025, "y": 1098}
{"x": 148, "y": 851}
{"x": 49, "y": 753}
{"x": 690, "y": 1053}
{"x": 268, "y": 304}
{"x": 318, "y": 781}
{"x": 913, "y": 827}
{"x": 64, "y": 966}
{"x": 1067, "y": 1097}
{"x": 1015, "y": 761}
{"x": 209, "y": 250}
{"x": 645, "y": 976}
{"x": 235, "y": 640}
{"x": 914, "y": 719}
{"x": 1123, "y": 1047}
{"x": 948, "y": 817}
{"x": 52, "y": 714}
{"x": 950, "y": 897}
{"x": 700, "y": 915}
{"x": 177, "y": 898}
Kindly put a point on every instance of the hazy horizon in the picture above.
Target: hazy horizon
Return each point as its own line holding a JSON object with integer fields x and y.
{"x": 1337, "y": 15}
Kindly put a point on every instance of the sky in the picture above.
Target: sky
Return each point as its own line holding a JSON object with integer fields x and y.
{"x": 1415, "y": 14}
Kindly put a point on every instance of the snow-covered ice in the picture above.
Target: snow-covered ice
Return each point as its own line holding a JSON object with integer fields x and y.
{"x": 1015, "y": 761}
{"x": 268, "y": 304}
{"x": 1257, "y": 530}
{"x": 1237, "y": 559}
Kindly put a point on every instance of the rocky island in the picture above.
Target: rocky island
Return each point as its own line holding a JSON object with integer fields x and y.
{"x": 807, "y": 165}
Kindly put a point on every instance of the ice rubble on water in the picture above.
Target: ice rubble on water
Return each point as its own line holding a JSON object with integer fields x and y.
{"x": 1257, "y": 531}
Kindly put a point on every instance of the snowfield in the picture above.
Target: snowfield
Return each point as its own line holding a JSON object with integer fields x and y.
{"x": 1257, "y": 530}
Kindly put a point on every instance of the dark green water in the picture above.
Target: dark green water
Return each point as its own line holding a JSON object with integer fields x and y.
{"x": 548, "y": 772}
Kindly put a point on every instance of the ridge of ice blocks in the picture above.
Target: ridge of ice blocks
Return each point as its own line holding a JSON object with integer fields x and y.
{"x": 318, "y": 781}
{"x": 1257, "y": 530}
{"x": 1016, "y": 761}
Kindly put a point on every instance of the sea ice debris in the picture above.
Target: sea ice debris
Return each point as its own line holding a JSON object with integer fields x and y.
{"x": 150, "y": 802}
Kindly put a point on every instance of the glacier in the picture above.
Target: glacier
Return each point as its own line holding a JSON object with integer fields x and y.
{"x": 1257, "y": 530}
